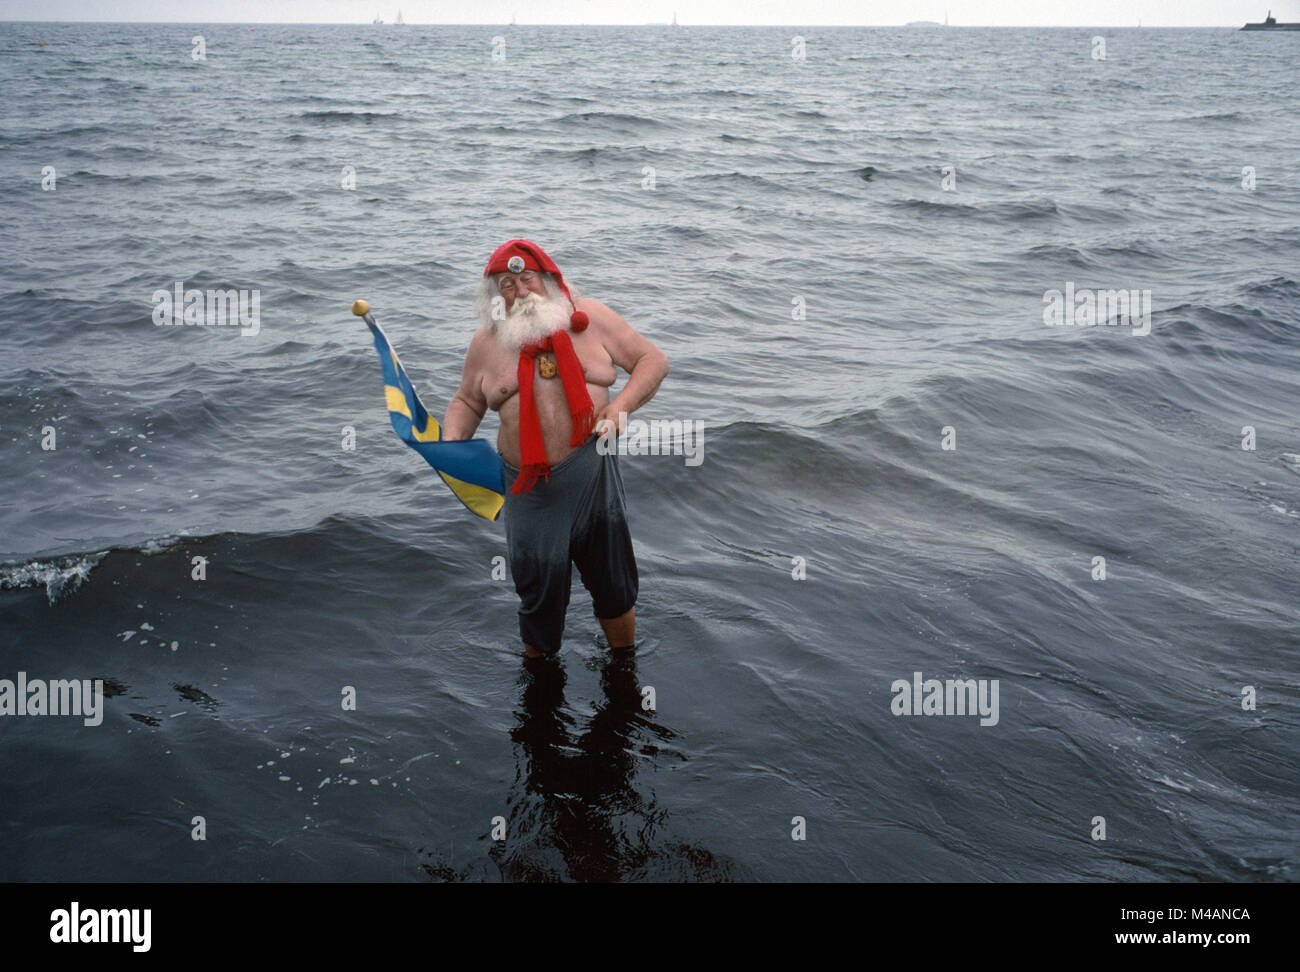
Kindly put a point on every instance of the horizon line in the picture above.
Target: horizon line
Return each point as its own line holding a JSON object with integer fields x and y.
{"x": 353, "y": 23}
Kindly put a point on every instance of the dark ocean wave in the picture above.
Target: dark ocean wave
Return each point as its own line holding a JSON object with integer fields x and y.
{"x": 607, "y": 122}
{"x": 930, "y": 207}
{"x": 339, "y": 116}
{"x": 1204, "y": 327}
{"x": 737, "y": 179}
{"x": 1222, "y": 116}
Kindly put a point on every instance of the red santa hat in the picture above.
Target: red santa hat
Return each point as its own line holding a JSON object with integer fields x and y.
{"x": 516, "y": 256}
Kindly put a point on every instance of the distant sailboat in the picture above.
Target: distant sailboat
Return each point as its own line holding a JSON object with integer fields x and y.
{"x": 399, "y": 19}
{"x": 512, "y": 20}
{"x": 674, "y": 18}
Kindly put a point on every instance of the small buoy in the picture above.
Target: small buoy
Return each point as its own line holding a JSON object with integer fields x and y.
{"x": 361, "y": 308}
{"x": 42, "y": 43}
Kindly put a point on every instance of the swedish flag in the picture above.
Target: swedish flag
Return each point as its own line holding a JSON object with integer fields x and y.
{"x": 470, "y": 467}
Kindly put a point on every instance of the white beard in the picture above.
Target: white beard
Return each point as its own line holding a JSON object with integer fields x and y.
{"x": 532, "y": 318}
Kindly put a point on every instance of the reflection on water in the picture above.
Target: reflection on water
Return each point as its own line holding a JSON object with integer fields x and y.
{"x": 575, "y": 812}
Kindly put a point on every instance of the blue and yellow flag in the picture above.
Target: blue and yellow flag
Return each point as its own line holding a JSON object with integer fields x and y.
{"x": 470, "y": 467}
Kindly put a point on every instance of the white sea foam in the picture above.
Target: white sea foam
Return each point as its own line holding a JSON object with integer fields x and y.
{"x": 63, "y": 575}
{"x": 60, "y": 576}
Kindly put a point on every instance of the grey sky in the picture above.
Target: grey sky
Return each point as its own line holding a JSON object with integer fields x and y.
{"x": 1082, "y": 13}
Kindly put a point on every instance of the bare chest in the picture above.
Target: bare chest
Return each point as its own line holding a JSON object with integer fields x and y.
{"x": 501, "y": 375}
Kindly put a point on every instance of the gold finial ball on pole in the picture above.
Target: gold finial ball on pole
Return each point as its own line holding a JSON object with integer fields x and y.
{"x": 361, "y": 308}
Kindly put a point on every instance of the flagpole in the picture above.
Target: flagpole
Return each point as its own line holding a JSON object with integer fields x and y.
{"x": 471, "y": 468}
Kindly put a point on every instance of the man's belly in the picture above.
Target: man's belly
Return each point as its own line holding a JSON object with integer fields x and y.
{"x": 553, "y": 414}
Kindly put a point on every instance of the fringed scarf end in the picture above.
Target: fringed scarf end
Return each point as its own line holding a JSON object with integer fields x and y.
{"x": 582, "y": 426}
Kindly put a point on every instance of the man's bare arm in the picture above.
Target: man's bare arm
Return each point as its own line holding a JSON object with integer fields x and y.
{"x": 645, "y": 364}
{"x": 468, "y": 406}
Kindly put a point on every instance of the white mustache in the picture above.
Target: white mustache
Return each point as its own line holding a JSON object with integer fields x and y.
{"x": 531, "y": 318}
{"x": 528, "y": 304}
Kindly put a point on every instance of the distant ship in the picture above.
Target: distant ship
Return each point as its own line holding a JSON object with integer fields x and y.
{"x": 923, "y": 23}
{"x": 376, "y": 21}
{"x": 1271, "y": 24}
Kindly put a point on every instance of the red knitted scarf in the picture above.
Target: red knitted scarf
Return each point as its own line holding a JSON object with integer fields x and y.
{"x": 532, "y": 449}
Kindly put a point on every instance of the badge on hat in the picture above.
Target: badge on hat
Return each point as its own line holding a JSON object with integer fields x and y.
{"x": 515, "y": 264}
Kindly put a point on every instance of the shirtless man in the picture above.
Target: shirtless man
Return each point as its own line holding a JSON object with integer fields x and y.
{"x": 536, "y": 352}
